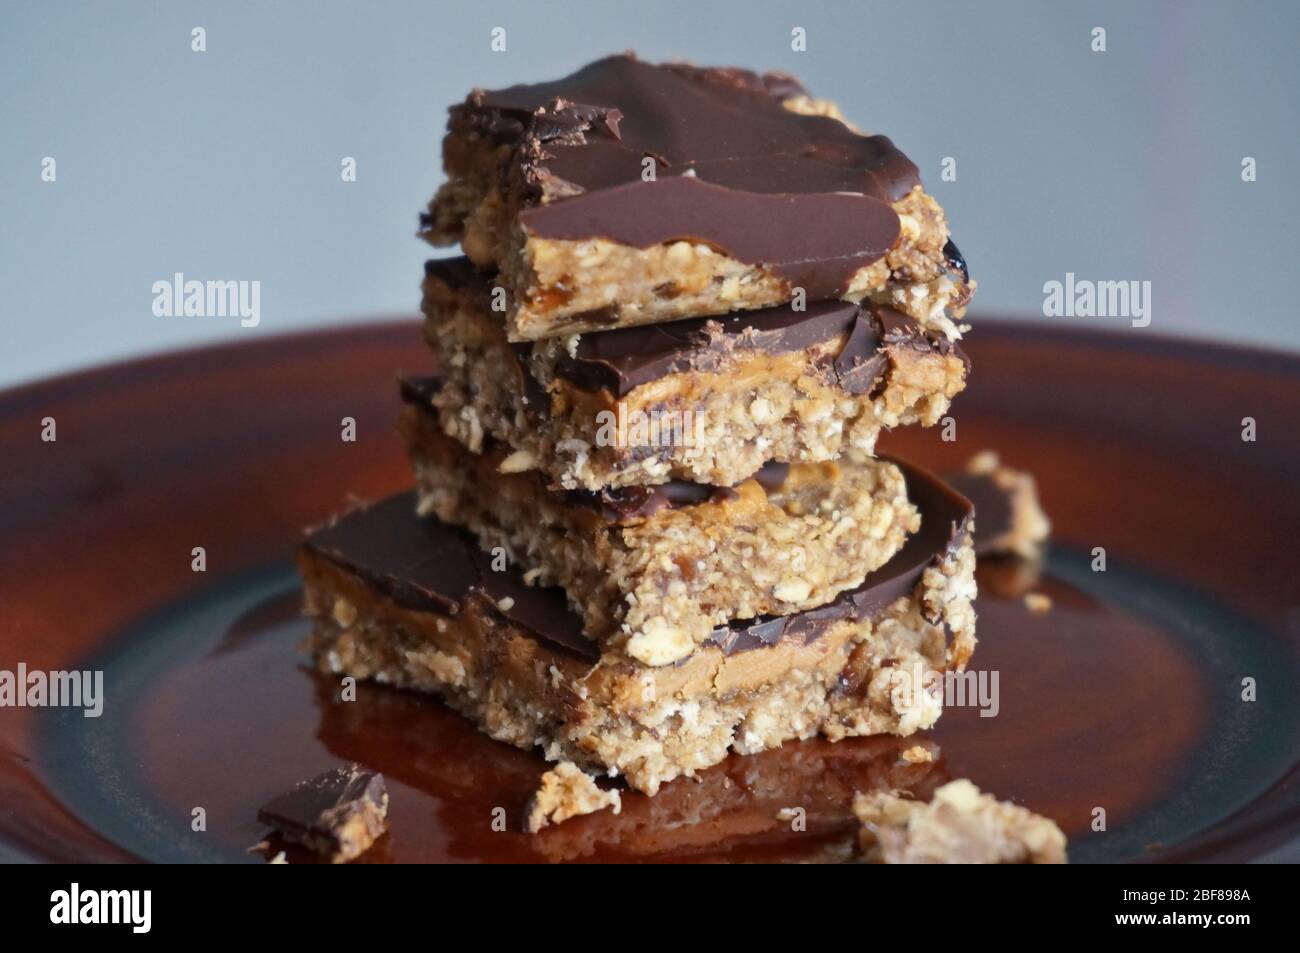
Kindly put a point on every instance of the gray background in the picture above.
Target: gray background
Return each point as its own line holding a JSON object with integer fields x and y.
{"x": 225, "y": 164}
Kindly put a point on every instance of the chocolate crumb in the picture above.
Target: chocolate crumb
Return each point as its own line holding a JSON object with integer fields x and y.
{"x": 338, "y": 814}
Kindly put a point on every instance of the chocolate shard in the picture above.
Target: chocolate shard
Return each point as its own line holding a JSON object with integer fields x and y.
{"x": 337, "y": 814}
{"x": 955, "y": 260}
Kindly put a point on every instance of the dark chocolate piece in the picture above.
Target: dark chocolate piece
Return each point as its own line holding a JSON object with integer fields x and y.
{"x": 425, "y": 565}
{"x": 419, "y": 391}
{"x": 459, "y": 273}
{"x": 861, "y": 361}
{"x": 622, "y": 359}
{"x": 338, "y": 814}
{"x": 804, "y": 196}
{"x": 953, "y": 257}
{"x": 993, "y": 507}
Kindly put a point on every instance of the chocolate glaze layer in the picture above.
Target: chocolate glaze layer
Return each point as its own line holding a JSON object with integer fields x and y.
{"x": 622, "y": 359}
{"x": 425, "y": 565}
{"x": 805, "y": 196}
{"x": 625, "y": 358}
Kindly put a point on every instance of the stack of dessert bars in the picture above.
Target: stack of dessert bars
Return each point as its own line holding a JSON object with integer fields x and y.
{"x": 649, "y": 528}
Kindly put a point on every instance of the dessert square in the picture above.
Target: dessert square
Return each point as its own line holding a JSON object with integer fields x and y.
{"x": 631, "y": 193}
{"x": 411, "y": 602}
{"x": 708, "y": 400}
{"x": 653, "y": 570}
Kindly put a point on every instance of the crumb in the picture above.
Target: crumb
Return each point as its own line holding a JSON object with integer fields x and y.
{"x": 506, "y": 603}
{"x": 565, "y": 792}
{"x": 959, "y": 825}
{"x": 278, "y": 859}
{"x": 1009, "y": 520}
{"x": 983, "y": 463}
{"x": 1038, "y": 603}
{"x": 918, "y": 754}
{"x": 337, "y": 814}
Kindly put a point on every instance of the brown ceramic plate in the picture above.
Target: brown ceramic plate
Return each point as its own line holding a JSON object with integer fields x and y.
{"x": 1125, "y": 697}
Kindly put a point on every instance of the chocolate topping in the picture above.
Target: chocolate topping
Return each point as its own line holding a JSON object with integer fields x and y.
{"x": 460, "y": 274}
{"x": 805, "y": 196}
{"x": 425, "y": 565}
{"x": 422, "y": 564}
{"x": 622, "y": 359}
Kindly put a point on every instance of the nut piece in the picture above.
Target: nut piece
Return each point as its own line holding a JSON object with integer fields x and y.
{"x": 565, "y": 792}
{"x": 918, "y": 754}
{"x": 518, "y": 462}
{"x": 792, "y": 590}
{"x": 1038, "y": 603}
{"x": 344, "y": 612}
{"x": 660, "y": 643}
